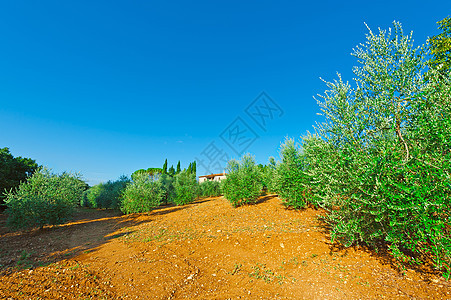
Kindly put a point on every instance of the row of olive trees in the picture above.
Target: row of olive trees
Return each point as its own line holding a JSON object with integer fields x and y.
{"x": 145, "y": 191}
{"x": 246, "y": 181}
{"x": 380, "y": 163}
{"x": 45, "y": 198}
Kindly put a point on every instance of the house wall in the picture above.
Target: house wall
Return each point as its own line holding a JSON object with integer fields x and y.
{"x": 219, "y": 178}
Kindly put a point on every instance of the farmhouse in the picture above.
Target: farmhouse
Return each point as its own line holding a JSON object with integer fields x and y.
{"x": 212, "y": 177}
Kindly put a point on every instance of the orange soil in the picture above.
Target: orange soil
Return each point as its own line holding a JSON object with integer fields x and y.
{"x": 205, "y": 250}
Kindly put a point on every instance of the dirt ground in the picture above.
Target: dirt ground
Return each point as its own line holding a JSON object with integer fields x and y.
{"x": 204, "y": 250}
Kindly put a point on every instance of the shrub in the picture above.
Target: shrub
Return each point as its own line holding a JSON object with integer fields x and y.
{"x": 186, "y": 188}
{"x": 13, "y": 171}
{"x": 382, "y": 158}
{"x": 143, "y": 194}
{"x": 167, "y": 183}
{"x": 44, "y": 199}
{"x": 210, "y": 188}
{"x": 106, "y": 195}
{"x": 290, "y": 180}
{"x": 243, "y": 183}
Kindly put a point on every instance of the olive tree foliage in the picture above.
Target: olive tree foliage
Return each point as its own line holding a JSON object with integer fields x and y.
{"x": 167, "y": 184}
{"x": 268, "y": 174}
{"x": 210, "y": 188}
{"x": 186, "y": 188}
{"x": 380, "y": 162}
{"x": 143, "y": 194}
{"x": 440, "y": 46}
{"x": 289, "y": 175}
{"x": 44, "y": 199}
{"x": 106, "y": 195}
{"x": 243, "y": 184}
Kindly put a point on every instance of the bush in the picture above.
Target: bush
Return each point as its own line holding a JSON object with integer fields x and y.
{"x": 186, "y": 188}
{"x": 290, "y": 180}
{"x": 143, "y": 194}
{"x": 210, "y": 188}
{"x": 13, "y": 171}
{"x": 106, "y": 195}
{"x": 44, "y": 199}
{"x": 243, "y": 183}
{"x": 380, "y": 163}
{"x": 167, "y": 183}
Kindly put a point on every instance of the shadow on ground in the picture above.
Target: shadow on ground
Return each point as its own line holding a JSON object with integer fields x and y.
{"x": 85, "y": 232}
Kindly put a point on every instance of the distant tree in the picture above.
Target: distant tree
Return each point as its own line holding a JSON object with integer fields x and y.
{"x": 154, "y": 171}
{"x": 178, "y": 168}
{"x": 440, "y": 46}
{"x": 109, "y": 194}
{"x": 193, "y": 168}
{"x": 149, "y": 171}
{"x": 165, "y": 167}
{"x": 171, "y": 171}
{"x": 13, "y": 171}
{"x": 190, "y": 168}
{"x": 140, "y": 171}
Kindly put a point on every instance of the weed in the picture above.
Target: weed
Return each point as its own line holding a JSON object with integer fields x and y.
{"x": 236, "y": 269}
{"x": 24, "y": 261}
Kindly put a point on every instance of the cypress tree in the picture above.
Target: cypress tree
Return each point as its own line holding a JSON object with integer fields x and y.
{"x": 178, "y": 168}
{"x": 171, "y": 171}
{"x": 165, "y": 167}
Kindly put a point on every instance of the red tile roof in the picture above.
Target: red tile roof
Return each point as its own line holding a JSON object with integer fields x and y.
{"x": 213, "y": 175}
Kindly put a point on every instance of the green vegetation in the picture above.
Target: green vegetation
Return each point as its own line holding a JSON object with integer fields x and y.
{"x": 106, "y": 195}
{"x": 178, "y": 168}
{"x": 165, "y": 167}
{"x": 440, "y": 46}
{"x": 186, "y": 188}
{"x": 13, "y": 171}
{"x": 290, "y": 176}
{"x": 44, "y": 199}
{"x": 210, "y": 188}
{"x": 150, "y": 171}
{"x": 380, "y": 162}
{"x": 171, "y": 171}
{"x": 243, "y": 183}
{"x": 143, "y": 194}
{"x": 167, "y": 184}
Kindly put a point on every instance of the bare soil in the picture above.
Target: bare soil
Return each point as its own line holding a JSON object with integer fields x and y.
{"x": 204, "y": 250}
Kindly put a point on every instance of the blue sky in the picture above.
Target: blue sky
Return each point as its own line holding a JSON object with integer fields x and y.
{"x": 108, "y": 87}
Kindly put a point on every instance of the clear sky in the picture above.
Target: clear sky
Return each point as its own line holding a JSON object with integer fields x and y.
{"x": 108, "y": 87}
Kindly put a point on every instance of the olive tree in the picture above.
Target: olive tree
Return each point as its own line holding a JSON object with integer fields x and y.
{"x": 380, "y": 161}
